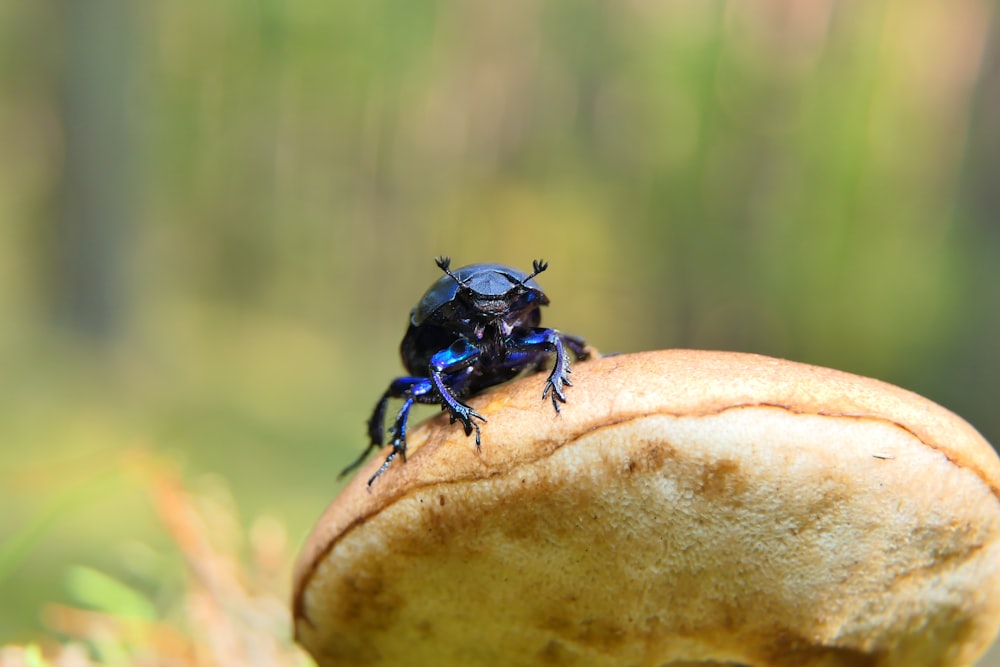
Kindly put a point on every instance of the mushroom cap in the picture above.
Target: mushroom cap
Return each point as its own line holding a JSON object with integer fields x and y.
{"x": 684, "y": 508}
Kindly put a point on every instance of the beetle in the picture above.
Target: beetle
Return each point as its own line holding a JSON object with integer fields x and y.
{"x": 476, "y": 327}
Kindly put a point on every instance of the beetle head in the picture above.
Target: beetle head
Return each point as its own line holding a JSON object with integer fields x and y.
{"x": 495, "y": 292}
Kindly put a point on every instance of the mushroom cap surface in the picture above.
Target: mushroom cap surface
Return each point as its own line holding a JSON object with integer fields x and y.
{"x": 684, "y": 508}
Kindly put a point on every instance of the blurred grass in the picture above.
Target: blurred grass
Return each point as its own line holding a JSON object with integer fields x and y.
{"x": 215, "y": 219}
{"x": 218, "y": 598}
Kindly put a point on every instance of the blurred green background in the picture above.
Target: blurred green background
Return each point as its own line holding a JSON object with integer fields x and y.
{"x": 215, "y": 217}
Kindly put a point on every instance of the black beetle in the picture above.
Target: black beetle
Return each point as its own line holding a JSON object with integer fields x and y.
{"x": 474, "y": 328}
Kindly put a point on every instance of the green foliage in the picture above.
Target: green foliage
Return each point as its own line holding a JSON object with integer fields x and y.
{"x": 103, "y": 592}
{"x": 33, "y": 657}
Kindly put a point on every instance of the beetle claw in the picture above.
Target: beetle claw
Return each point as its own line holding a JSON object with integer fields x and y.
{"x": 466, "y": 415}
{"x": 556, "y": 384}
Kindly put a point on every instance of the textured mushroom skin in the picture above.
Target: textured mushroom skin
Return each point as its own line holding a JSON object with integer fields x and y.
{"x": 685, "y": 508}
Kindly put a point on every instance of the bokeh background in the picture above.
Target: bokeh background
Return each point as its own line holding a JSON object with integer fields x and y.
{"x": 215, "y": 217}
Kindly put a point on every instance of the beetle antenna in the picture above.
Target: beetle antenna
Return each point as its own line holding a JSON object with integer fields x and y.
{"x": 444, "y": 263}
{"x": 539, "y": 265}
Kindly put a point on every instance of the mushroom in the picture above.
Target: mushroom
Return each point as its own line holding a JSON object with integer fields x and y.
{"x": 685, "y": 508}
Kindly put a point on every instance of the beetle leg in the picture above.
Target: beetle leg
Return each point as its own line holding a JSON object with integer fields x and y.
{"x": 581, "y": 350}
{"x": 531, "y": 361}
{"x": 398, "y": 432}
{"x": 459, "y": 356}
{"x": 385, "y": 465}
{"x": 376, "y": 421}
{"x": 375, "y": 432}
{"x": 551, "y": 340}
{"x": 559, "y": 375}
{"x": 409, "y": 388}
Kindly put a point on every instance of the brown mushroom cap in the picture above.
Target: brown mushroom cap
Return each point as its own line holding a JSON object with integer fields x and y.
{"x": 684, "y": 508}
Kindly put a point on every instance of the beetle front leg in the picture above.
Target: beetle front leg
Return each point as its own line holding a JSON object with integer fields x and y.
{"x": 559, "y": 375}
{"x": 459, "y": 356}
{"x": 551, "y": 340}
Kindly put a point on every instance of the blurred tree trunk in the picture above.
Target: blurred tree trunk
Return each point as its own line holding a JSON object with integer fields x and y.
{"x": 95, "y": 192}
{"x": 979, "y": 209}
{"x": 982, "y": 168}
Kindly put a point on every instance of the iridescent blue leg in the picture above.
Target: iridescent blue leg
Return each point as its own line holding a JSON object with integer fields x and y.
{"x": 411, "y": 389}
{"x": 398, "y": 438}
{"x": 550, "y": 340}
{"x": 450, "y": 367}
